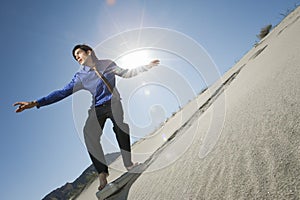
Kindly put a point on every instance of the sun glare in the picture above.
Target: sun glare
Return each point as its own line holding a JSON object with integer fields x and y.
{"x": 135, "y": 59}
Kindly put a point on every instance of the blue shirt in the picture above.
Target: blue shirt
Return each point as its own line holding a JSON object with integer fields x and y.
{"x": 87, "y": 79}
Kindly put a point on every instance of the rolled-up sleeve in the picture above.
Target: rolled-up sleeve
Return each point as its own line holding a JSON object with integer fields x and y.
{"x": 73, "y": 86}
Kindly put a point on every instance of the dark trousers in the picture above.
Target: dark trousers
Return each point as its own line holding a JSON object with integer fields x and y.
{"x": 93, "y": 130}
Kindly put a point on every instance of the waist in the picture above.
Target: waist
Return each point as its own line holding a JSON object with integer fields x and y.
{"x": 107, "y": 103}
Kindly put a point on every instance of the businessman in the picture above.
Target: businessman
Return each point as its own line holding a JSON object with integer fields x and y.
{"x": 99, "y": 78}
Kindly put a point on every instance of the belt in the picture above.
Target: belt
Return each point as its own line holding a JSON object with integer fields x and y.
{"x": 107, "y": 103}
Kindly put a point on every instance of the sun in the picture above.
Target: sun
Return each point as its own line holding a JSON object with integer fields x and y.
{"x": 134, "y": 59}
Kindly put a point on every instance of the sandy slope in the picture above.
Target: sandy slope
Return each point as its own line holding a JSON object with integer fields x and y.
{"x": 246, "y": 144}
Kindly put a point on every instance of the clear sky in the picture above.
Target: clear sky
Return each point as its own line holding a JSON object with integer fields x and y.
{"x": 42, "y": 149}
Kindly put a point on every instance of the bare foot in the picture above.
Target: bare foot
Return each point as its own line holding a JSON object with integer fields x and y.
{"x": 103, "y": 180}
{"x": 132, "y": 166}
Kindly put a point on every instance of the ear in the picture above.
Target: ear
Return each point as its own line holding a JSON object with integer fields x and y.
{"x": 89, "y": 52}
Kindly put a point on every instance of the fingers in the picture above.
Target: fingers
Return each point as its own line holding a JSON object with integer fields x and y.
{"x": 18, "y": 103}
{"x": 22, "y": 106}
{"x": 19, "y": 110}
{"x": 154, "y": 63}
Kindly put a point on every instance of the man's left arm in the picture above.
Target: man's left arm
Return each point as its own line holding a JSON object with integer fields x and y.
{"x": 128, "y": 73}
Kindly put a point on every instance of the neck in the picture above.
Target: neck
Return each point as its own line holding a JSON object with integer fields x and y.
{"x": 91, "y": 61}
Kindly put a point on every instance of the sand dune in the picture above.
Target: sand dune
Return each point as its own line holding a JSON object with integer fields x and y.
{"x": 241, "y": 144}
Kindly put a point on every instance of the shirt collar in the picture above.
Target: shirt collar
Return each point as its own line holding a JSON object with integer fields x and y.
{"x": 86, "y": 68}
{"x": 99, "y": 67}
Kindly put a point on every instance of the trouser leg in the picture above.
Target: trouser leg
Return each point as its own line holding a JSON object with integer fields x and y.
{"x": 121, "y": 130}
{"x": 123, "y": 139}
{"x": 92, "y": 133}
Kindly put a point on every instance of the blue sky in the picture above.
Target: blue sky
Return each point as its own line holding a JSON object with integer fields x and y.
{"x": 41, "y": 149}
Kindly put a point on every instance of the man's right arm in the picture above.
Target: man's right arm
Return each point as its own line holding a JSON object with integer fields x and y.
{"x": 53, "y": 97}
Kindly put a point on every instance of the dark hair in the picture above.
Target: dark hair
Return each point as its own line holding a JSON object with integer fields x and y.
{"x": 83, "y": 47}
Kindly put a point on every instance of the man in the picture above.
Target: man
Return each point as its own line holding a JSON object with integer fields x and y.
{"x": 98, "y": 77}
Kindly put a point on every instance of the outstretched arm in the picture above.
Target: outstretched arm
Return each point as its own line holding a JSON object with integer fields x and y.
{"x": 53, "y": 97}
{"x": 128, "y": 73}
{"x": 25, "y": 105}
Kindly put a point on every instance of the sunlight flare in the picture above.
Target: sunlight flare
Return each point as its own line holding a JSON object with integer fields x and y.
{"x": 135, "y": 59}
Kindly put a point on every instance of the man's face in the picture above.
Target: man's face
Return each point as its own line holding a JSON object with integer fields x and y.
{"x": 81, "y": 55}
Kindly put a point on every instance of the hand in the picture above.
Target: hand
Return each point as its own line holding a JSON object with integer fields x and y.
{"x": 24, "y": 105}
{"x": 153, "y": 63}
